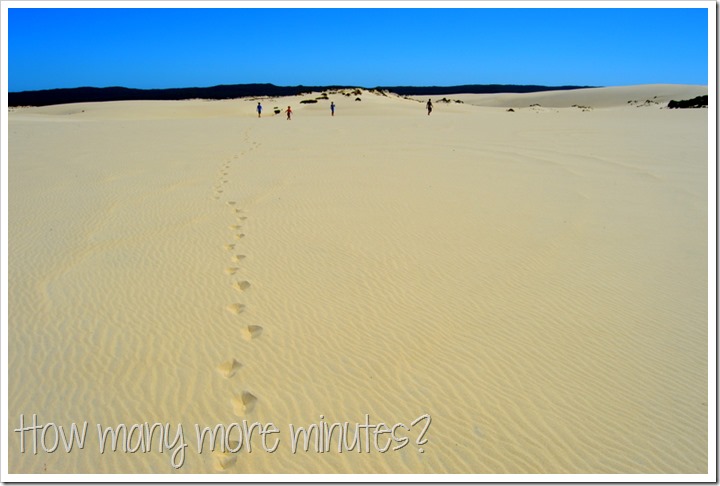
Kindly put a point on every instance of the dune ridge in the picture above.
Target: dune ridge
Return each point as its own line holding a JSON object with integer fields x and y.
{"x": 655, "y": 95}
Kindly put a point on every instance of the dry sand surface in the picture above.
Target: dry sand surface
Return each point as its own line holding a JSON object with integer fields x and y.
{"x": 535, "y": 281}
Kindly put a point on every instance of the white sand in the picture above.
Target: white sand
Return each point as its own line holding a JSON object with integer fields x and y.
{"x": 534, "y": 281}
{"x": 657, "y": 95}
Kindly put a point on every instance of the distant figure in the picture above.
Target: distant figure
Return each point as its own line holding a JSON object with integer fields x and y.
{"x": 259, "y": 109}
{"x": 429, "y": 106}
{"x": 289, "y": 112}
{"x": 332, "y": 108}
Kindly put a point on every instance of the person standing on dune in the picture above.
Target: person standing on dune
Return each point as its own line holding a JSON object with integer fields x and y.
{"x": 332, "y": 108}
{"x": 429, "y": 106}
{"x": 289, "y": 112}
{"x": 259, "y": 109}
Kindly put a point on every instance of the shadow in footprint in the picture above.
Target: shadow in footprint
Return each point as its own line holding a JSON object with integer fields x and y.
{"x": 244, "y": 404}
{"x": 252, "y": 332}
{"x": 224, "y": 460}
{"x": 229, "y": 368}
{"x": 236, "y": 308}
{"x": 241, "y": 286}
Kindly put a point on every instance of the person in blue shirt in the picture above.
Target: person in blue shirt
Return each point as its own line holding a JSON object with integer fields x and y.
{"x": 332, "y": 108}
{"x": 259, "y": 109}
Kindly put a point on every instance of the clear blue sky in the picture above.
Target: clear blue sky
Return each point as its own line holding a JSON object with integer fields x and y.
{"x": 173, "y": 47}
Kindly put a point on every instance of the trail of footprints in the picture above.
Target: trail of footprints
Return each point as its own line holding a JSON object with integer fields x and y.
{"x": 244, "y": 402}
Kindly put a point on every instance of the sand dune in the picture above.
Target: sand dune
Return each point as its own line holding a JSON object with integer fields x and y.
{"x": 657, "y": 95}
{"x": 535, "y": 282}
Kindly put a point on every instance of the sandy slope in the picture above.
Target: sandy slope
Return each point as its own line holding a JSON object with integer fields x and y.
{"x": 534, "y": 281}
{"x": 657, "y": 95}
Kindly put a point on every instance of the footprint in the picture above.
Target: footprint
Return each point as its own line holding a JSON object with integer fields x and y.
{"x": 235, "y": 308}
{"x": 243, "y": 404}
{"x": 241, "y": 286}
{"x": 229, "y": 246}
{"x": 242, "y": 218}
{"x": 239, "y": 211}
{"x": 229, "y": 368}
{"x": 240, "y": 236}
{"x": 235, "y": 227}
{"x": 224, "y": 460}
{"x": 252, "y": 332}
{"x": 231, "y": 203}
{"x": 238, "y": 258}
{"x": 231, "y": 270}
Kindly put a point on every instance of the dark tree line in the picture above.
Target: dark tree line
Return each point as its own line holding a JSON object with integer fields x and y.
{"x": 697, "y": 102}
{"x": 223, "y": 92}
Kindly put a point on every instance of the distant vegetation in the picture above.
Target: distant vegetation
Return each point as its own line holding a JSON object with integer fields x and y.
{"x": 697, "y": 102}
{"x": 222, "y": 92}
{"x": 445, "y": 100}
{"x": 640, "y": 104}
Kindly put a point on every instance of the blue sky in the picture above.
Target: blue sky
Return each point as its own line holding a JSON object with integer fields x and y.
{"x": 174, "y": 47}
